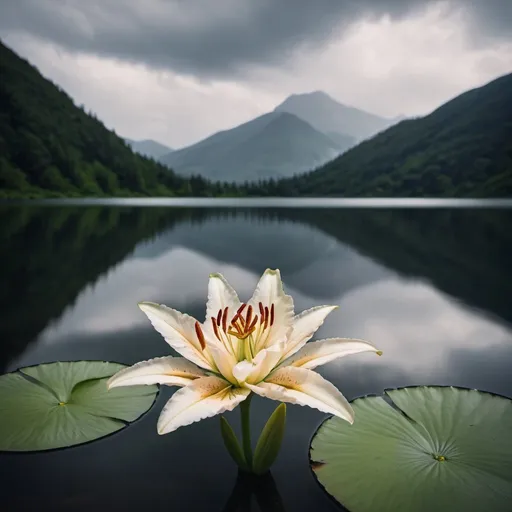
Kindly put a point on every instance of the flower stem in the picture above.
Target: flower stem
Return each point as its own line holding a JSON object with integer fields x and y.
{"x": 246, "y": 429}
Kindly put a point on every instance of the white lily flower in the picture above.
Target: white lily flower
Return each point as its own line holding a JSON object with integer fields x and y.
{"x": 258, "y": 346}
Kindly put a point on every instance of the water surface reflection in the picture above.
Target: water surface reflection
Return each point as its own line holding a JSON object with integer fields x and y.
{"x": 430, "y": 287}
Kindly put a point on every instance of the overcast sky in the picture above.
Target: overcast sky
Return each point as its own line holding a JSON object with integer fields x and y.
{"x": 178, "y": 70}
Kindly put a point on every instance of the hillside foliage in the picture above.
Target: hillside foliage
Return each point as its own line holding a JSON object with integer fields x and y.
{"x": 50, "y": 146}
{"x": 462, "y": 149}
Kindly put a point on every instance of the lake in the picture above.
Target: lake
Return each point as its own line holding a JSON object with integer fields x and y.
{"x": 431, "y": 287}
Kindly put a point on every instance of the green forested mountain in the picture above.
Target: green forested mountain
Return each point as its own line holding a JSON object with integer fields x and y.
{"x": 462, "y": 149}
{"x": 50, "y": 146}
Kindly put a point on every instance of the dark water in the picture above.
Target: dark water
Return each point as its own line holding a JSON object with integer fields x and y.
{"x": 431, "y": 287}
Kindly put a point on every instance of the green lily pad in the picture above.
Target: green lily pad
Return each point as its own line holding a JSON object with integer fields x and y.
{"x": 431, "y": 448}
{"x": 56, "y": 405}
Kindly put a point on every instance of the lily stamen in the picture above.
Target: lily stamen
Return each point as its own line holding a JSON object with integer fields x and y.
{"x": 269, "y": 321}
{"x": 216, "y": 328}
{"x": 248, "y": 317}
{"x": 237, "y": 327}
{"x": 223, "y": 339}
{"x": 266, "y": 353}
{"x": 225, "y": 319}
{"x": 243, "y": 335}
{"x": 200, "y": 335}
{"x": 245, "y": 330}
{"x": 253, "y": 323}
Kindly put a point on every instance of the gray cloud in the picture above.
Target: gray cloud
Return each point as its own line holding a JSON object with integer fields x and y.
{"x": 214, "y": 39}
{"x": 490, "y": 19}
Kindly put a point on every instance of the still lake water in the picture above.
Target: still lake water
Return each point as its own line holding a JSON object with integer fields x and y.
{"x": 431, "y": 287}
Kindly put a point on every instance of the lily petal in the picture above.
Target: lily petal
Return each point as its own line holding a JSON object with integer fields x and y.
{"x": 225, "y": 362}
{"x": 305, "y": 325}
{"x": 203, "y": 398}
{"x": 269, "y": 291}
{"x": 320, "y": 352}
{"x": 220, "y": 295}
{"x": 304, "y": 387}
{"x": 172, "y": 371}
{"x": 264, "y": 362}
{"x": 178, "y": 329}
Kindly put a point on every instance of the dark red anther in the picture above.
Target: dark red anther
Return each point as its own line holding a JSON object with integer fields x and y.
{"x": 248, "y": 317}
{"x": 272, "y": 315}
{"x": 266, "y": 317}
{"x": 262, "y": 311}
{"x": 225, "y": 319}
{"x": 219, "y": 316}
{"x": 215, "y": 328}
{"x": 200, "y": 335}
{"x": 253, "y": 323}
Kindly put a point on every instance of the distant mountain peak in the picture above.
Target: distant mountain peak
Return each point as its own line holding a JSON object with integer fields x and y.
{"x": 312, "y": 93}
{"x": 328, "y": 115}
{"x": 316, "y": 94}
{"x": 275, "y": 144}
{"x": 308, "y": 96}
{"x": 461, "y": 149}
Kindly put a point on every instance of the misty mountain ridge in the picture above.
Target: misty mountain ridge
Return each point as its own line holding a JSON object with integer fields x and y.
{"x": 148, "y": 147}
{"x": 273, "y": 145}
{"x": 52, "y": 147}
{"x": 462, "y": 149}
{"x": 332, "y": 128}
{"x": 341, "y": 140}
{"x": 330, "y": 116}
